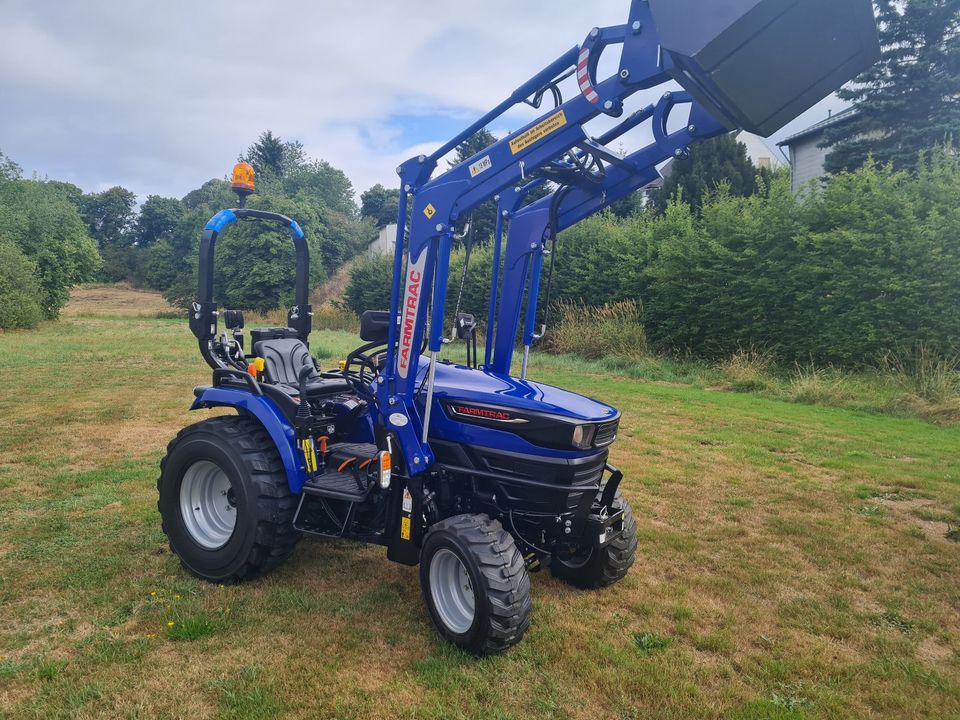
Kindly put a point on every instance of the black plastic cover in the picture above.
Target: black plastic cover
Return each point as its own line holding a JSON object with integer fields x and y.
{"x": 758, "y": 64}
{"x": 270, "y": 333}
{"x": 466, "y": 326}
{"x": 233, "y": 319}
{"x": 374, "y": 325}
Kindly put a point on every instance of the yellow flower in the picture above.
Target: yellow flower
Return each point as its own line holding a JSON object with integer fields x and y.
{"x": 151, "y": 636}
{"x": 153, "y": 594}
{"x": 170, "y": 623}
{"x": 176, "y": 597}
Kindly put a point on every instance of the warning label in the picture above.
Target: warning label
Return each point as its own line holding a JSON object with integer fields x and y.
{"x": 538, "y": 132}
{"x": 404, "y": 528}
{"x": 480, "y": 165}
{"x": 429, "y": 211}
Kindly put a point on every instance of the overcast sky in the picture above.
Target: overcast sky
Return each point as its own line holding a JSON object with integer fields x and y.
{"x": 162, "y": 96}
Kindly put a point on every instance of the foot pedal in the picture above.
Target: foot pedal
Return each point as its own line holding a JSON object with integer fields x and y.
{"x": 532, "y": 561}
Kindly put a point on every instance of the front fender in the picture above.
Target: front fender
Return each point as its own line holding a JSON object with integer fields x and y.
{"x": 270, "y": 416}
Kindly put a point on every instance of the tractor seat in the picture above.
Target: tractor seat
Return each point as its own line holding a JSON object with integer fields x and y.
{"x": 283, "y": 358}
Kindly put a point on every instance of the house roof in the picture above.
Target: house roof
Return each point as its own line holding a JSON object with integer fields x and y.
{"x": 817, "y": 129}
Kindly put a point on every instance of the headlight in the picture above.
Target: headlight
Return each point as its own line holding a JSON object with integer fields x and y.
{"x": 583, "y": 436}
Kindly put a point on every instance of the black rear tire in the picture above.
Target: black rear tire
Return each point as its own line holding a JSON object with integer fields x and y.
{"x": 497, "y": 574}
{"x": 263, "y": 535}
{"x": 591, "y": 568}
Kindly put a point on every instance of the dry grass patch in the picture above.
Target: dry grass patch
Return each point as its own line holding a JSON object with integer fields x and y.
{"x": 116, "y": 300}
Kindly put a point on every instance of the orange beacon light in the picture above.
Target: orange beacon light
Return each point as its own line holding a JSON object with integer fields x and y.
{"x": 242, "y": 181}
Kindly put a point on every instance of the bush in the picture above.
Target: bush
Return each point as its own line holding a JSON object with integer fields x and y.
{"x": 47, "y": 228}
{"x": 371, "y": 279}
{"x": 838, "y": 276}
{"x": 599, "y": 332}
{"x": 19, "y": 290}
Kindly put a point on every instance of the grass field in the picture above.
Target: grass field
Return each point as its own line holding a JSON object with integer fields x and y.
{"x": 793, "y": 563}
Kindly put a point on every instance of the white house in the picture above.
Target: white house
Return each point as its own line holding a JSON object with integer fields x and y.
{"x": 384, "y": 242}
{"x": 807, "y": 158}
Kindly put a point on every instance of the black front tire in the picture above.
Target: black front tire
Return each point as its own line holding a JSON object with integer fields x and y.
{"x": 263, "y": 535}
{"x": 497, "y": 574}
{"x": 592, "y": 568}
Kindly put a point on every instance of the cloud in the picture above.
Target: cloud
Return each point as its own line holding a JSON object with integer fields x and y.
{"x": 159, "y": 97}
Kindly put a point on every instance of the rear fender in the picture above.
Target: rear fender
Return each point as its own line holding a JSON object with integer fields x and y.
{"x": 273, "y": 421}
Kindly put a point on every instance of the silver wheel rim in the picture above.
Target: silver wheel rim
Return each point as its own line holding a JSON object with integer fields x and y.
{"x": 208, "y": 505}
{"x": 452, "y": 591}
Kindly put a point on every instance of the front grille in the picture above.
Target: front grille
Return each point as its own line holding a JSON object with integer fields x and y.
{"x": 606, "y": 433}
{"x": 572, "y": 474}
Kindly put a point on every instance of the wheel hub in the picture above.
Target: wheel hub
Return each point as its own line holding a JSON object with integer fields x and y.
{"x": 452, "y": 591}
{"x": 208, "y": 504}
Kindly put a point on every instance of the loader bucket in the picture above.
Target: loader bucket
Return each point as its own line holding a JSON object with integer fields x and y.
{"x": 758, "y": 64}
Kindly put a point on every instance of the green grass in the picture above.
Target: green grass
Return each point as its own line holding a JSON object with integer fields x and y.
{"x": 793, "y": 563}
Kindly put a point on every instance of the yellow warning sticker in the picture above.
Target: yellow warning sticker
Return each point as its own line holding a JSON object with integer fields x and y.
{"x": 404, "y": 528}
{"x": 538, "y": 132}
{"x": 309, "y": 455}
{"x": 429, "y": 211}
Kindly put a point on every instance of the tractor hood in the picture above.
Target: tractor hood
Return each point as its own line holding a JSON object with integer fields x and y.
{"x": 492, "y": 410}
{"x": 460, "y": 383}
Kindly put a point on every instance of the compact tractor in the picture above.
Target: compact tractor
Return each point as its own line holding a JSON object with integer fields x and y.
{"x": 474, "y": 473}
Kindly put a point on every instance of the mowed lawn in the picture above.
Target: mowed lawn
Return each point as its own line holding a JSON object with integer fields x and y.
{"x": 793, "y": 563}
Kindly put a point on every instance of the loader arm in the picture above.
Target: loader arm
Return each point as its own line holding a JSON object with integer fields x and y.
{"x": 742, "y": 64}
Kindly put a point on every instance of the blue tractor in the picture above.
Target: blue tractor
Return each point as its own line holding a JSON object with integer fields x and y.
{"x": 474, "y": 473}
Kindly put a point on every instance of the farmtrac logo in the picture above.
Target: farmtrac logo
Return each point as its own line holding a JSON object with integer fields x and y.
{"x": 486, "y": 414}
{"x": 411, "y": 304}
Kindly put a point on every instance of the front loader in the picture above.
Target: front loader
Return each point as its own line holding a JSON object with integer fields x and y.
{"x": 474, "y": 471}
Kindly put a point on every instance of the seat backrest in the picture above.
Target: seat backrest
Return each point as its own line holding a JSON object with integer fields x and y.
{"x": 283, "y": 359}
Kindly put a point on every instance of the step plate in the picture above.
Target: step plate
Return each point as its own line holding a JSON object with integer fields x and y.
{"x": 338, "y": 486}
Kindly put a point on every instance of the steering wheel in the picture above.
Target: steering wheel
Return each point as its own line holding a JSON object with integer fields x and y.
{"x": 367, "y": 369}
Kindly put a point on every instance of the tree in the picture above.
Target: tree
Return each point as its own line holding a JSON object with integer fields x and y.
{"x": 48, "y": 229}
{"x": 720, "y": 160}
{"x": 484, "y": 216}
{"x": 272, "y": 158}
{"x": 213, "y": 195}
{"x": 162, "y": 242}
{"x": 158, "y": 219}
{"x": 910, "y": 100}
{"x": 256, "y": 266}
{"x": 110, "y": 216}
{"x": 380, "y": 205}
{"x": 319, "y": 180}
{"x": 254, "y": 260}
{"x": 9, "y": 170}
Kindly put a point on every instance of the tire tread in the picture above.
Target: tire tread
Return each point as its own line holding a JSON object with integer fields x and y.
{"x": 275, "y": 537}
